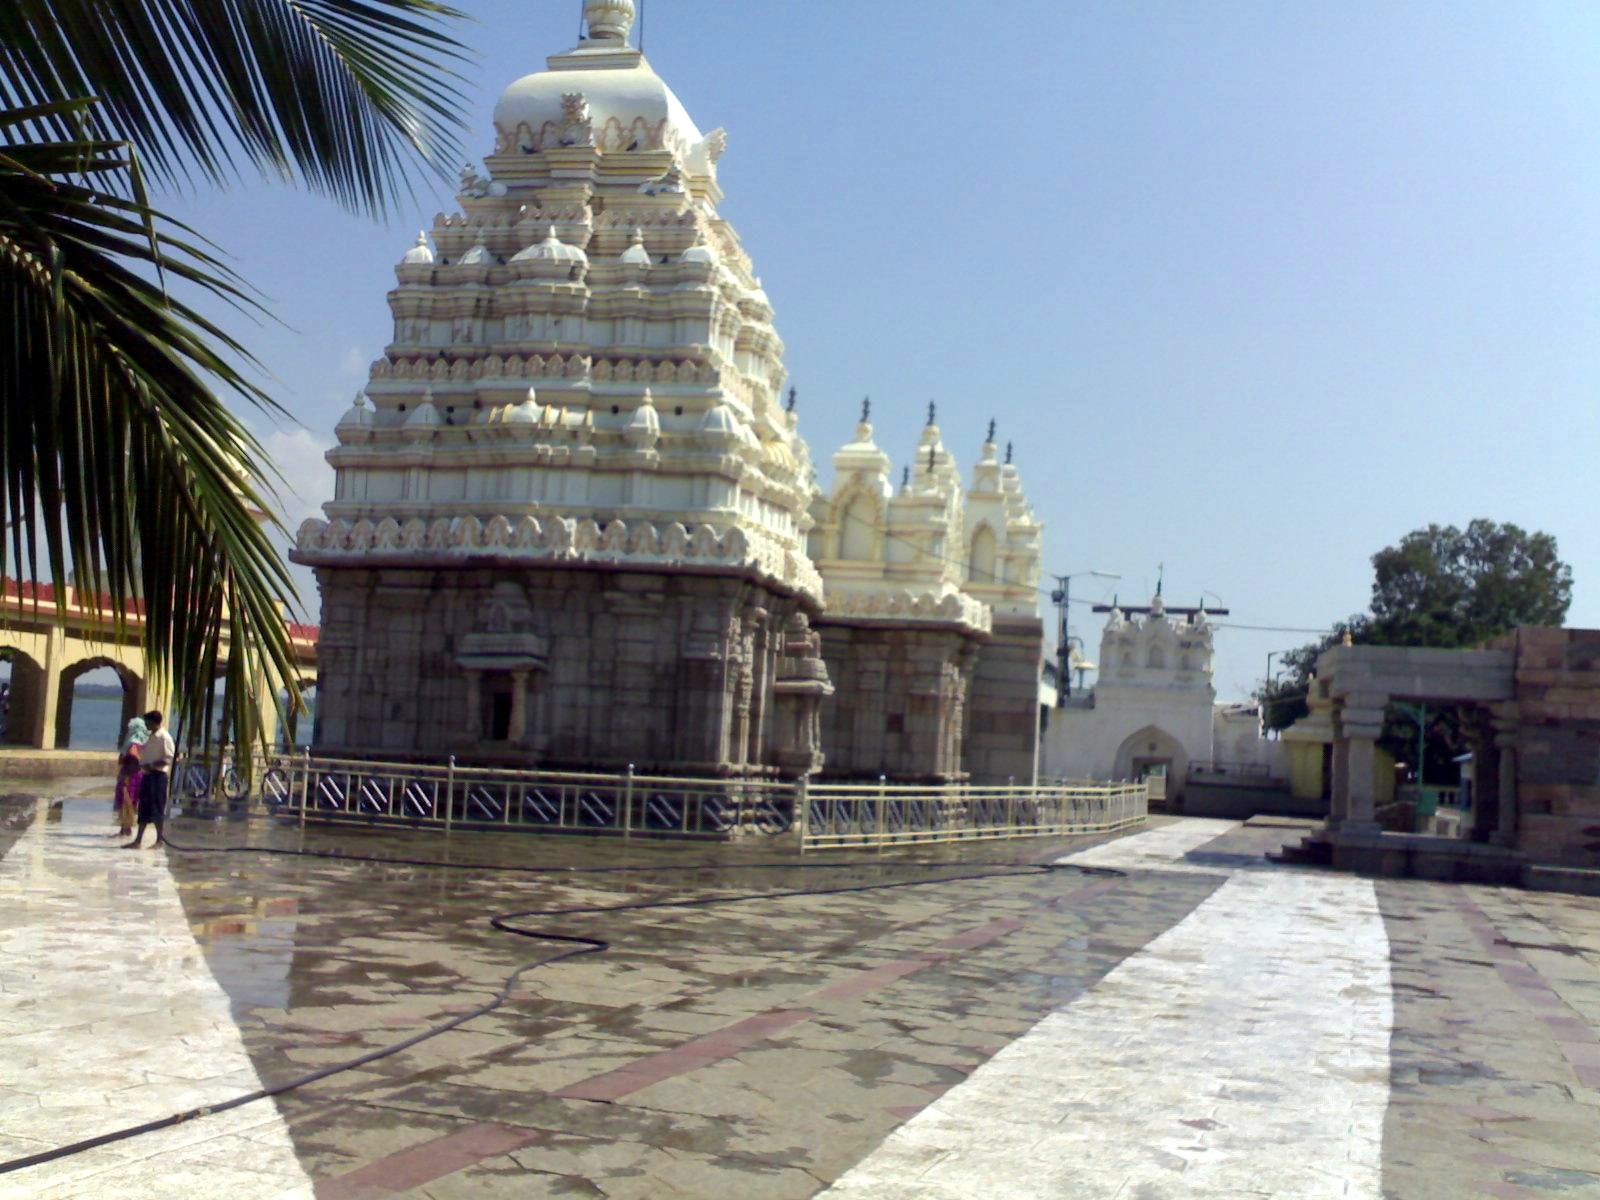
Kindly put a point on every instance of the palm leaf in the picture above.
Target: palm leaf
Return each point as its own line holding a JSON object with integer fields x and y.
{"x": 342, "y": 95}
{"x": 119, "y": 459}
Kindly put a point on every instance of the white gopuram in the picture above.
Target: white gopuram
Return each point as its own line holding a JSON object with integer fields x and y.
{"x": 570, "y": 514}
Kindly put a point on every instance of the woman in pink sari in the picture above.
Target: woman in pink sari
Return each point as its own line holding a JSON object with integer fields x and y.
{"x": 126, "y": 801}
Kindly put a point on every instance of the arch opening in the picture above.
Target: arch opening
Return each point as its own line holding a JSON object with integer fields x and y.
{"x": 1153, "y": 752}
{"x": 98, "y": 697}
{"x": 22, "y": 699}
{"x": 981, "y": 560}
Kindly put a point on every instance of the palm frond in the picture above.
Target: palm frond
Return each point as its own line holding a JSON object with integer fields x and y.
{"x": 116, "y": 453}
{"x": 343, "y": 95}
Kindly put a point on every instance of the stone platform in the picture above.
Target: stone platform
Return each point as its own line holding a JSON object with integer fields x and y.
{"x": 1167, "y": 1016}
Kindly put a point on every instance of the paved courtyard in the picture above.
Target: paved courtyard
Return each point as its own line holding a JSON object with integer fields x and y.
{"x": 1165, "y": 1015}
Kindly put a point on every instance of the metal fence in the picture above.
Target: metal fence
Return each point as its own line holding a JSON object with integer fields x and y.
{"x": 454, "y": 797}
{"x": 813, "y": 815}
{"x": 881, "y": 815}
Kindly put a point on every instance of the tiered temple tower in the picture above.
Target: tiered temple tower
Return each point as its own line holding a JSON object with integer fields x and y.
{"x": 570, "y": 514}
{"x": 931, "y": 630}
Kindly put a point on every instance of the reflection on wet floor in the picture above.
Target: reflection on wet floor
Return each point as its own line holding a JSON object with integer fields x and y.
{"x": 112, "y": 1016}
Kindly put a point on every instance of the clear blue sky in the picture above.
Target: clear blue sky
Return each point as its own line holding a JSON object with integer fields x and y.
{"x": 1255, "y": 287}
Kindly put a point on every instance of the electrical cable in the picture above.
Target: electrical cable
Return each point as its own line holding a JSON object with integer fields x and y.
{"x": 889, "y": 535}
{"x": 577, "y": 946}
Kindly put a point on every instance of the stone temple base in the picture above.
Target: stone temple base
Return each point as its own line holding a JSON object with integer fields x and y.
{"x": 560, "y": 668}
{"x": 899, "y": 705}
{"x": 1003, "y": 704}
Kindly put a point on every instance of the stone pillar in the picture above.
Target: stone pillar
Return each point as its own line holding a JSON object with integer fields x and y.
{"x": 1360, "y": 724}
{"x": 474, "y": 706}
{"x": 48, "y": 712}
{"x": 518, "y": 732}
{"x": 1338, "y": 782}
{"x": 1505, "y": 743}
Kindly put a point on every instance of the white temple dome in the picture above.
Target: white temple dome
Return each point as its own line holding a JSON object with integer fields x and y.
{"x": 700, "y": 252}
{"x": 526, "y": 413}
{"x": 552, "y": 249}
{"x": 636, "y": 254}
{"x": 358, "y": 417}
{"x": 420, "y": 254}
{"x": 614, "y": 81}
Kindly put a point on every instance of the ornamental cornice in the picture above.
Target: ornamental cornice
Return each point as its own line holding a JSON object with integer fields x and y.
{"x": 556, "y": 366}
{"x": 557, "y": 540}
{"x": 901, "y": 605}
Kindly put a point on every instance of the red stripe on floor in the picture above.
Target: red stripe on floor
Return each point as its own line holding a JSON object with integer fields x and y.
{"x": 421, "y": 1164}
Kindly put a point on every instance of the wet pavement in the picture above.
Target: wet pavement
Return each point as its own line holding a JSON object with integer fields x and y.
{"x": 1163, "y": 1016}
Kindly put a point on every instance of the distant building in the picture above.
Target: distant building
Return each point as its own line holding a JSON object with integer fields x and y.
{"x": 1153, "y": 709}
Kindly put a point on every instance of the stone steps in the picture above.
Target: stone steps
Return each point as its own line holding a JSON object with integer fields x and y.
{"x": 1581, "y": 881}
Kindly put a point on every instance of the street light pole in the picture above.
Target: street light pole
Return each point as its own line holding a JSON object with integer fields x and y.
{"x": 1062, "y": 597}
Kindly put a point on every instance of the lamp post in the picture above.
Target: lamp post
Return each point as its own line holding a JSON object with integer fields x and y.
{"x": 1061, "y": 597}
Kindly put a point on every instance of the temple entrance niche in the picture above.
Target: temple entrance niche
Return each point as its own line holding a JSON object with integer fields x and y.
{"x": 1152, "y": 752}
{"x": 501, "y": 659}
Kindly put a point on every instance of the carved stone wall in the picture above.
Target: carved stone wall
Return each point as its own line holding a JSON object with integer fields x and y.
{"x": 674, "y": 673}
{"x": 900, "y": 700}
{"x": 1003, "y": 704}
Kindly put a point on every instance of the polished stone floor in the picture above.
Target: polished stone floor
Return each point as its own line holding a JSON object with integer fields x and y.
{"x": 1164, "y": 1015}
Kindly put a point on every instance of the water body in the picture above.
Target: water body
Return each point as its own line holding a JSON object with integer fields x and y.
{"x": 97, "y": 723}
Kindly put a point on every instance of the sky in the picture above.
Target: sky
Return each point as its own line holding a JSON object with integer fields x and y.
{"x": 1255, "y": 288}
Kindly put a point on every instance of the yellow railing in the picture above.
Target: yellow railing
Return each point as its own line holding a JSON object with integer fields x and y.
{"x": 812, "y": 815}
{"x": 881, "y": 815}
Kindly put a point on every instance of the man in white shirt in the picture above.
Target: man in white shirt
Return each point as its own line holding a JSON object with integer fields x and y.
{"x": 156, "y": 764}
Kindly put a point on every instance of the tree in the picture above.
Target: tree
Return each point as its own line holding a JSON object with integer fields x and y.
{"x": 1440, "y": 586}
{"x": 1443, "y": 586}
{"x": 121, "y": 464}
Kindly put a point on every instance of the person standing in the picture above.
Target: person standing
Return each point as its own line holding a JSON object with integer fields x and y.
{"x": 157, "y": 759}
{"x": 133, "y": 738}
{"x": 125, "y": 803}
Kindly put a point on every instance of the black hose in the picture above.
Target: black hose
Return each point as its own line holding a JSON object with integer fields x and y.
{"x": 577, "y": 947}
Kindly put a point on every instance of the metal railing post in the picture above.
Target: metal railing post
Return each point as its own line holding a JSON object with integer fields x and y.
{"x": 305, "y": 785}
{"x": 802, "y": 811}
{"x": 883, "y": 803}
{"x": 449, "y": 792}
{"x": 627, "y": 805}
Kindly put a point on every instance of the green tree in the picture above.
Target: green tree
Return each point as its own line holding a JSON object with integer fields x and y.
{"x": 122, "y": 466}
{"x": 1443, "y": 586}
{"x": 1440, "y": 586}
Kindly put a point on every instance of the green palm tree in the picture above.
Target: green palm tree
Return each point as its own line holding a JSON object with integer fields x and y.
{"x": 122, "y": 465}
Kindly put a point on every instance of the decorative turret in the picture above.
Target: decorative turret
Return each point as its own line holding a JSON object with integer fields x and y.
{"x": 1002, "y": 537}
{"x": 420, "y": 254}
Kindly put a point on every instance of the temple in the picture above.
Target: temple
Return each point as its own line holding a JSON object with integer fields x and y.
{"x": 575, "y": 524}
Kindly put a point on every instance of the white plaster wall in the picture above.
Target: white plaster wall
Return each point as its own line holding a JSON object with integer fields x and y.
{"x": 1082, "y": 743}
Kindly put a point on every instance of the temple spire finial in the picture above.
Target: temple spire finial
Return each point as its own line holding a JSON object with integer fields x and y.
{"x": 608, "y": 20}
{"x": 794, "y": 397}
{"x": 932, "y": 412}
{"x": 866, "y": 409}
{"x": 1008, "y": 454}
{"x": 990, "y": 436}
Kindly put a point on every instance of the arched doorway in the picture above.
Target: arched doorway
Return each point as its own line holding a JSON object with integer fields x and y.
{"x": 21, "y": 699}
{"x": 1153, "y": 752}
{"x": 97, "y": 699}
